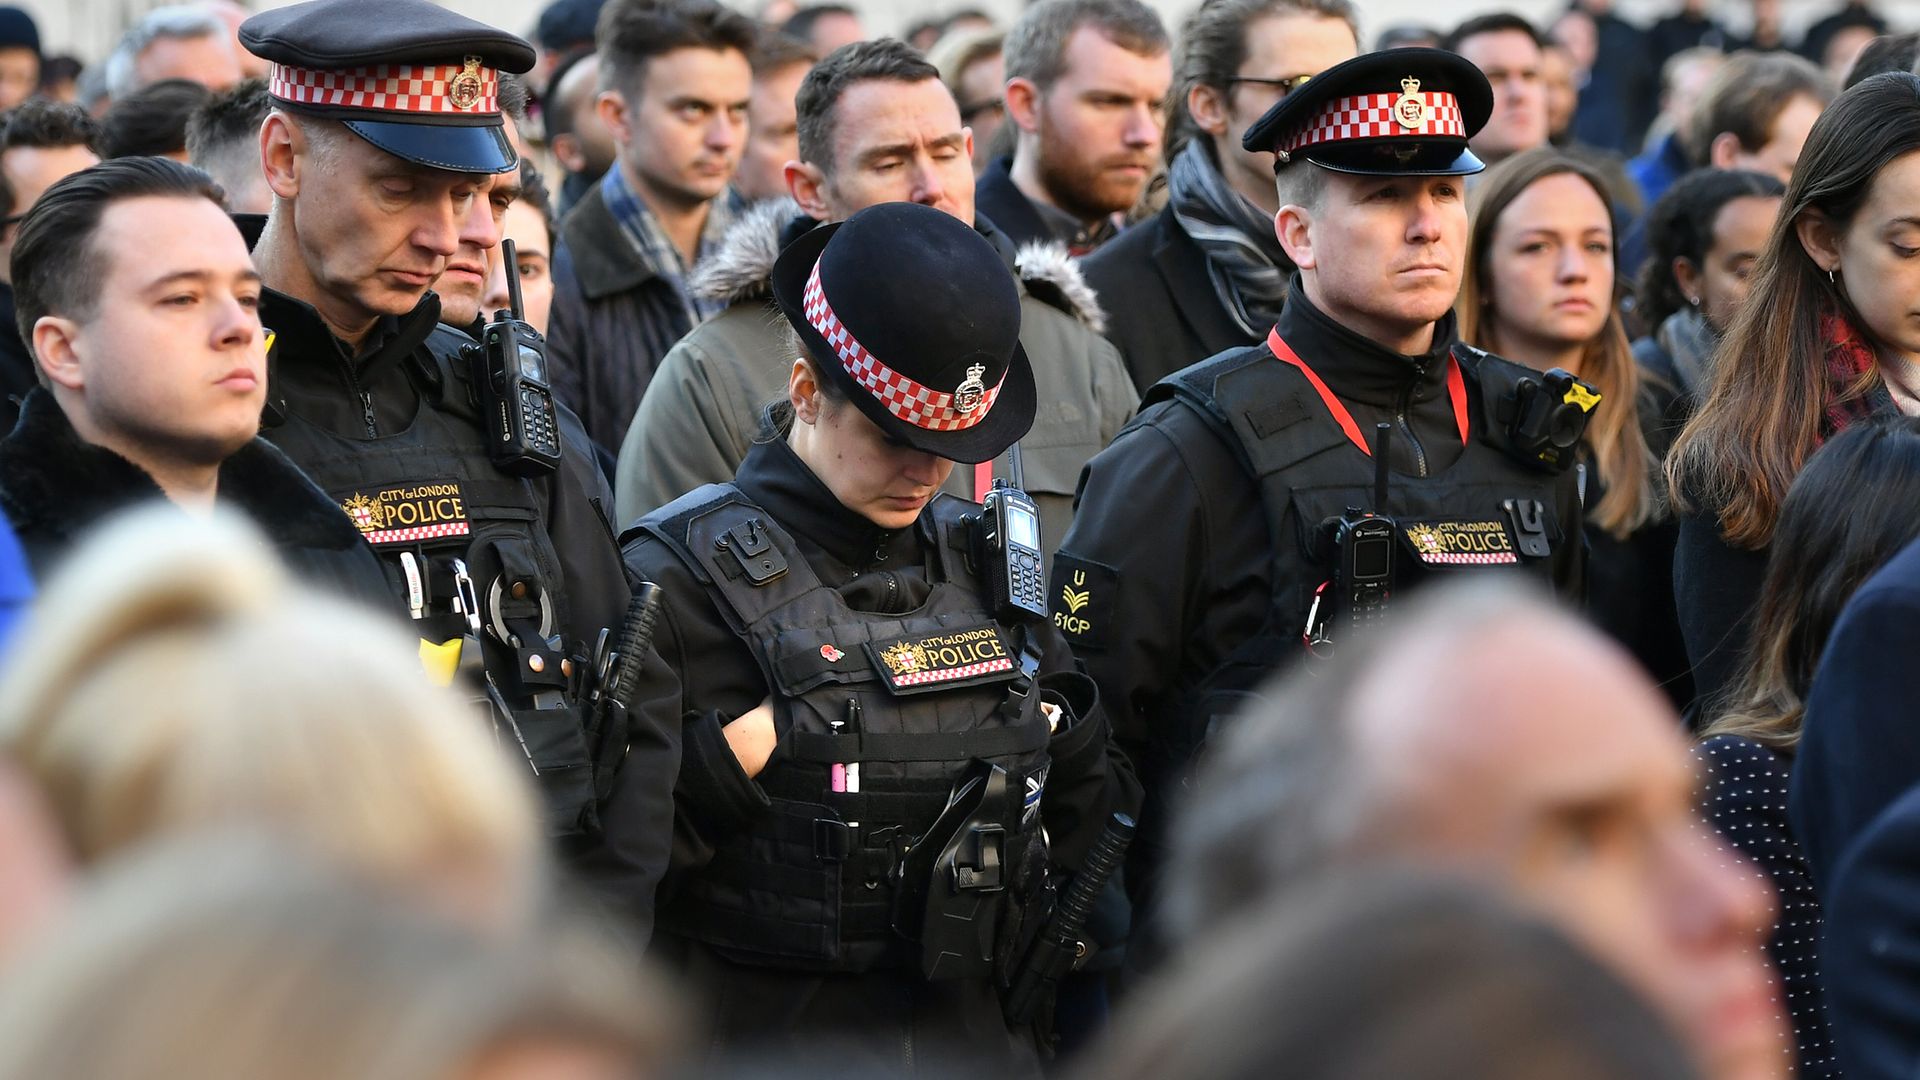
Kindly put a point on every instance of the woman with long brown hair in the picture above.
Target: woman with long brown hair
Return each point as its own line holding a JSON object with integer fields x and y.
{"x": 1827, "y": 336}
{"x": 1848, "y": 513}
{"x": 1540, "y": 290}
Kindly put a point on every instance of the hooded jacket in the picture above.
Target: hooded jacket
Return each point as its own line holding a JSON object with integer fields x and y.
{"x": 703, "y": 410}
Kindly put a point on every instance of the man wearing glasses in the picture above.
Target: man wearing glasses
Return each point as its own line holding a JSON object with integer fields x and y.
{"x": 1206, "y": 274}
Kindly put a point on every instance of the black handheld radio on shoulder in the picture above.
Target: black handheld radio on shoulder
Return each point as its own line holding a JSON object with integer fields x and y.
{"x": 510, "y": 381}
{"x": 1362, "y": 544}
{"x": 1010, "y": 543}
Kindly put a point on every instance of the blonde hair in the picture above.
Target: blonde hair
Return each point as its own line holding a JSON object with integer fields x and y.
{"x": 233, "y": 956}
{"x": 173, "y": 676}
{"x": 1621, "y": 457}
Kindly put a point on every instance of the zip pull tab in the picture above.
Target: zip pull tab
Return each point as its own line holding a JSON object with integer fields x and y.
{"x": 366, "y": 412}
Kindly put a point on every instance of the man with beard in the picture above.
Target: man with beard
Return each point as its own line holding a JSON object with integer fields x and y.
{"x": 678, "y": 86}
{"x": 1207, "y": 274}
{"x": 1086, "y": 89}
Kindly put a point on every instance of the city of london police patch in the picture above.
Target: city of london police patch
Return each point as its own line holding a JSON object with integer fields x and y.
{"x": 408, "y": 514}
{"x": 957, "y": 657}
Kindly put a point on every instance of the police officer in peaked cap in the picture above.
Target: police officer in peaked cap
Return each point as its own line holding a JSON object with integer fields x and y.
{"x": 1234, "y": 527}
{"x": 385, "y": 129}
{"x": 873, "y": 738}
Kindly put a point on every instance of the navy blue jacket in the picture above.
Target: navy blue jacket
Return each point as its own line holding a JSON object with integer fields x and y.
{"x": 1860, "y": 748}
{"x": 1871, "y": 961}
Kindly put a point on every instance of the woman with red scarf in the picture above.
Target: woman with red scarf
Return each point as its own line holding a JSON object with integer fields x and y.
{"x": 1830, "y": 333}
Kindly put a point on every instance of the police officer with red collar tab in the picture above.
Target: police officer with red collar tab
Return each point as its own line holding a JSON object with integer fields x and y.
{"x": 385, "y": 128}
{"x": 875, "y": 733}
{"x": 1271, "y": 502}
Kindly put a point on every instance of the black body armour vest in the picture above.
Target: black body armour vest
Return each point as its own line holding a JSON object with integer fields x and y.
{"x": 912, "y": 700}
{"x": 432, "y": 492}
{"x": 1476, "y": 516}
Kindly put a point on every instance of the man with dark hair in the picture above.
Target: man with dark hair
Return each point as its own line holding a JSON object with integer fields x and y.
{"x": 875, "y": 125}
{"x": 1507, "y": 50}
{"x": 1888, "y": 52}
{"x": 1756, "y": 113}
{"x": 40, "y": 142}
{"x": 152, "y": 121}
{"x": 500, "y": 550}
{"x": 824, "y": 27}
{"x": 1207, "y": 274}
{"x": 1206, "y": 551}
{"x": 677, "y": 86}
{"x": 578, "y": 137}
{"x": 19, "y": 56}
{"x": 1086, "y": 90}
{"x": 143, "y": 311}
{"x": 223, "y": 141}
{"x": 773, "y": 133}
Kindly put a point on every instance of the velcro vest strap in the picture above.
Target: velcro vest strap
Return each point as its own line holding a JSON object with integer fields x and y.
{"x": 1030, "y": 734}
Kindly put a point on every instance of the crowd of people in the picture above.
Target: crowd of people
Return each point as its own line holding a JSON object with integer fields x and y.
{"x": 723, "y": 542}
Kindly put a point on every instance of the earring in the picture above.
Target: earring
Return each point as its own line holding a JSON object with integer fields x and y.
{"x": 1693, "y": 301}
{"x": 1831, "y": 280}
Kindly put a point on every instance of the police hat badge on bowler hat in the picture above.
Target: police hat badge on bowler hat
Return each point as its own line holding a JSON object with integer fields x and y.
{"x": 1400, "y": 112}
{"x": 914, "y": 315}
{"x": 408, "y": 76}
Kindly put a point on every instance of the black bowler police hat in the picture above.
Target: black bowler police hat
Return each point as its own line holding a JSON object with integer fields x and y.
{"x": 408, "y": 76}
{"x": 911, "y": 312}
{"x": 1400, "y": 112}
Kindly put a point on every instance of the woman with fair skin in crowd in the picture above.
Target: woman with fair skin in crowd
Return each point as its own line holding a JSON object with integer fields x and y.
{"x": 833, "y": 654}
{"x": 1540, "y": 290}
{"x": 1828, "y": 336}
{"x": 1849, "y": 512}
{"x": 1706, "y": 234}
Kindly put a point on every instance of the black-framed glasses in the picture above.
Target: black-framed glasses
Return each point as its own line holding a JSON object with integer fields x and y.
{"x": 1286, "y": 86}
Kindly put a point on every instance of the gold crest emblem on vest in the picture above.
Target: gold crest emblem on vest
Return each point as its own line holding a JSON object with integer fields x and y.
{"x": 1410, "y": 110}
{"x": 464, "y": 91}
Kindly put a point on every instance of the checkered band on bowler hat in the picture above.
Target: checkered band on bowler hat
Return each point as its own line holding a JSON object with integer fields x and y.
{"x": 913, "y": 316}
{"x": 916, "y": 403}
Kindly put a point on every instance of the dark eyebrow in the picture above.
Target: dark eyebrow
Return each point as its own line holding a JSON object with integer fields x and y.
{"x": 197, "y": 277}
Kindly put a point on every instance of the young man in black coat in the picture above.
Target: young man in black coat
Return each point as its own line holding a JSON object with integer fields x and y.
{"x": 137, "y": 297}
{"x": 1207, "y": 274}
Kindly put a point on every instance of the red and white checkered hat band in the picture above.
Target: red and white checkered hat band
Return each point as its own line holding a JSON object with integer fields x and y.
{"x": 917, "y": 404}
{"x": 1373, "y": 116}
{"x": 434, "y": 89}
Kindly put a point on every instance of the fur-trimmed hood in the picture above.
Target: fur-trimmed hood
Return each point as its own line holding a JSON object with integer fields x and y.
{"x": 742, "y": 268}
{"x": 55, "y": 487}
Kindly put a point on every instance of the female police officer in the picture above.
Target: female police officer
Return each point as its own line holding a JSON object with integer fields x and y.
{"x": 872, "y": 742}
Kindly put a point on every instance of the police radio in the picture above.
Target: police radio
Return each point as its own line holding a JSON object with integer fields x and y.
{"x": 1362, "y": 543}
{"x": 510, "y": 381}
{"x": 1010, "y": 549}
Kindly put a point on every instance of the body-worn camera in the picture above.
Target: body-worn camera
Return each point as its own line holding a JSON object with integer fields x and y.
{"x": 510, "y": 380}
{"x": 1538, "y": 417}
{"x": 1360, "y": 543}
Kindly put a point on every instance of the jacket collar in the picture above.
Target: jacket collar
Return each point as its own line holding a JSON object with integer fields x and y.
{"x": 777, "y": 481}
{"x": 58, "y": 484}
{"x": 303, "y": 340}
{"x": 1357, "y": 368}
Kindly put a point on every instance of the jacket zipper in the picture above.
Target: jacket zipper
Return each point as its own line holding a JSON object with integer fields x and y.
{"x": 1406, "y": 427}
